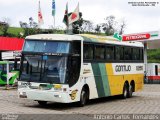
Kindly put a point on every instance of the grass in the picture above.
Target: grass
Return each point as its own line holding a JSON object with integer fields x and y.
{"x": 15, "y": 30}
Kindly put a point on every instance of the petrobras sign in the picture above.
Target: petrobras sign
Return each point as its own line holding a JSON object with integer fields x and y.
{"x": 152, "y": 35}
{"x": 136, "y": 37}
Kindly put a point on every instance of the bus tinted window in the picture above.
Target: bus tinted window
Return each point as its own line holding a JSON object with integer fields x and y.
{"x": 46, "y": 46}
{"x": 110, "y": 53}
{"x": 88, "y": 51}
{"x": 141, "y": 54}
{"x": 136, "y": 54}
{"x": 99, "y": 52}
{"x": 119, "y": 53}
{"x": 128, "y": 53}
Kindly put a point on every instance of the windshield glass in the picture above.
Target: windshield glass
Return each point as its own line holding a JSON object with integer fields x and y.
{"x": 46, "y": 69}
{"x": 46, "y": 46}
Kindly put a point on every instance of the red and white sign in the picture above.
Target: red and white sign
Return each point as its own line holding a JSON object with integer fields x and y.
{"x": 136, "y": 37}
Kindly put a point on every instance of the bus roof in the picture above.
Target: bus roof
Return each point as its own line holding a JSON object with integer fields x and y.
{"x": 84, "y": 37}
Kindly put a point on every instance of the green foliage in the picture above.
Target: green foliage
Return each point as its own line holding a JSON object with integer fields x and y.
{"x": 153, "y": 56}
{"x": 12, "y": 32}
{"x": 15, "y": 31}
{"x": 4, "y": 28}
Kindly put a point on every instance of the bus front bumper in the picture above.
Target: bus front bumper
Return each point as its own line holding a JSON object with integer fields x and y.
{"x": 45, "y": 95}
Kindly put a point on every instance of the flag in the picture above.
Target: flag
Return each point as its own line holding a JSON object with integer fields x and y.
{"x": 74, "y": 16}
{"x": 65, "y": 19}
{"x": 53, "y": 8}
{"x": 40, "y": 17}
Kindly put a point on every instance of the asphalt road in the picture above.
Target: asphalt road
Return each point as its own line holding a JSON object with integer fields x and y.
{"x": 146, "y": 101}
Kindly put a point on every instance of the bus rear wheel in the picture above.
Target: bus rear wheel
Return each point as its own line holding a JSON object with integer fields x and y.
{"x": 83, "y": 97}
{"x": 130, "y": 91}
{"x": 42, "y": 103}
{"x": 125, "y": 91}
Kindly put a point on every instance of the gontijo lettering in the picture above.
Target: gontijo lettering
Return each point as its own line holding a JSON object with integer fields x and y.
{"x": 122, "y": 68}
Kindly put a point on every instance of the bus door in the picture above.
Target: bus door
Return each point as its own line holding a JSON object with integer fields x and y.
{"x": 74, "y": 63}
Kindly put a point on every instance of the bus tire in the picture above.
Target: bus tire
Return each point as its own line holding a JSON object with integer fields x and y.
{"x": 42, "y": 103}
{"x": 130, "y": 91}
{"x": 83, "y": 97}
{"x": 125, "y": 91}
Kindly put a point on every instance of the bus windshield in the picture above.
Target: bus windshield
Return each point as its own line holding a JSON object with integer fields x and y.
{"x": 46, "y": 46}
{"x": 45, "y": 69}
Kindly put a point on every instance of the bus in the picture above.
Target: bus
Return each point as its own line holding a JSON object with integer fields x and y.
{"x": 153, "y": 73}
{"x": 8, "y": 73}
{"x": 76, "y": 68}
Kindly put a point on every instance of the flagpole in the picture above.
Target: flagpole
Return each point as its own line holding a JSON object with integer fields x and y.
{"x": 53, "y": 12}
{"x": 40, "y": 18}
{"x": 67, "y": 22}
{"x": 38, "y": 14}
{"x": 54, "y": 22}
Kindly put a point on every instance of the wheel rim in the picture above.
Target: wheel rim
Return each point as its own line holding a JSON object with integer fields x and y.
{"x": 83, "y": 100}
{"x": 130, "y": 90}
{"x": 125, "y": 92}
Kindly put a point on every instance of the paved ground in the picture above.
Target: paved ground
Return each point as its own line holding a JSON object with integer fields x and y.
{"x": 144, "y": 102}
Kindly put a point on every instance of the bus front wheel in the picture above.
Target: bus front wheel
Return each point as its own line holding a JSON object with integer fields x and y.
{"x": 83, "y": 97}
{"x": 42, "y": 103}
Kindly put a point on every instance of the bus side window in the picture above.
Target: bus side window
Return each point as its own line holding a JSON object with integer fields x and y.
{"x": 76, "y": 47}
{"x": 128, "y": 53}
{"x": 136, "y": 54}
{"x": 88, "y": 51}
{"x": 99, "y": 52}
{"x": 141, "y": 54}
{"x": 119, "y": 54}
{"x": 110, "y": 53}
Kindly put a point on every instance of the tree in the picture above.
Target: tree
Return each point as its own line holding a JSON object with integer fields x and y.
{"x": 29, "y": 28}
{"x": 87, "y": 26}
{"x": 3, "y": 28}
{"x": 110, "y": 26}
{"x": 4, "y": 25}
{"x": 122, "y": 27}
{"x": 98, "y": 29}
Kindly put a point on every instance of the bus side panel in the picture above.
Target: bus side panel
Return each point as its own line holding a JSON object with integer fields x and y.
{"x": 116, "y": 82}
{"x": 118, "y": 78}
{"x": 101, "y": 79}
{"x": 90, "y": 80}
{"x": 139, "y": 80}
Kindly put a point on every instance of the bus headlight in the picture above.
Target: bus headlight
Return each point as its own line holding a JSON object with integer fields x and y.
{"x": 22, "y": 95}
{"x": 57, "y": 87}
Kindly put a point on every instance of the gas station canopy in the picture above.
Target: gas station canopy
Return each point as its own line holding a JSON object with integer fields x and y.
{"x": 150, "y": 39}
{"x": 11, "y": 44}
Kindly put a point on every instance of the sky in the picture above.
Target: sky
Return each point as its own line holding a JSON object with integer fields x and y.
{"x": 137, "y": 18}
